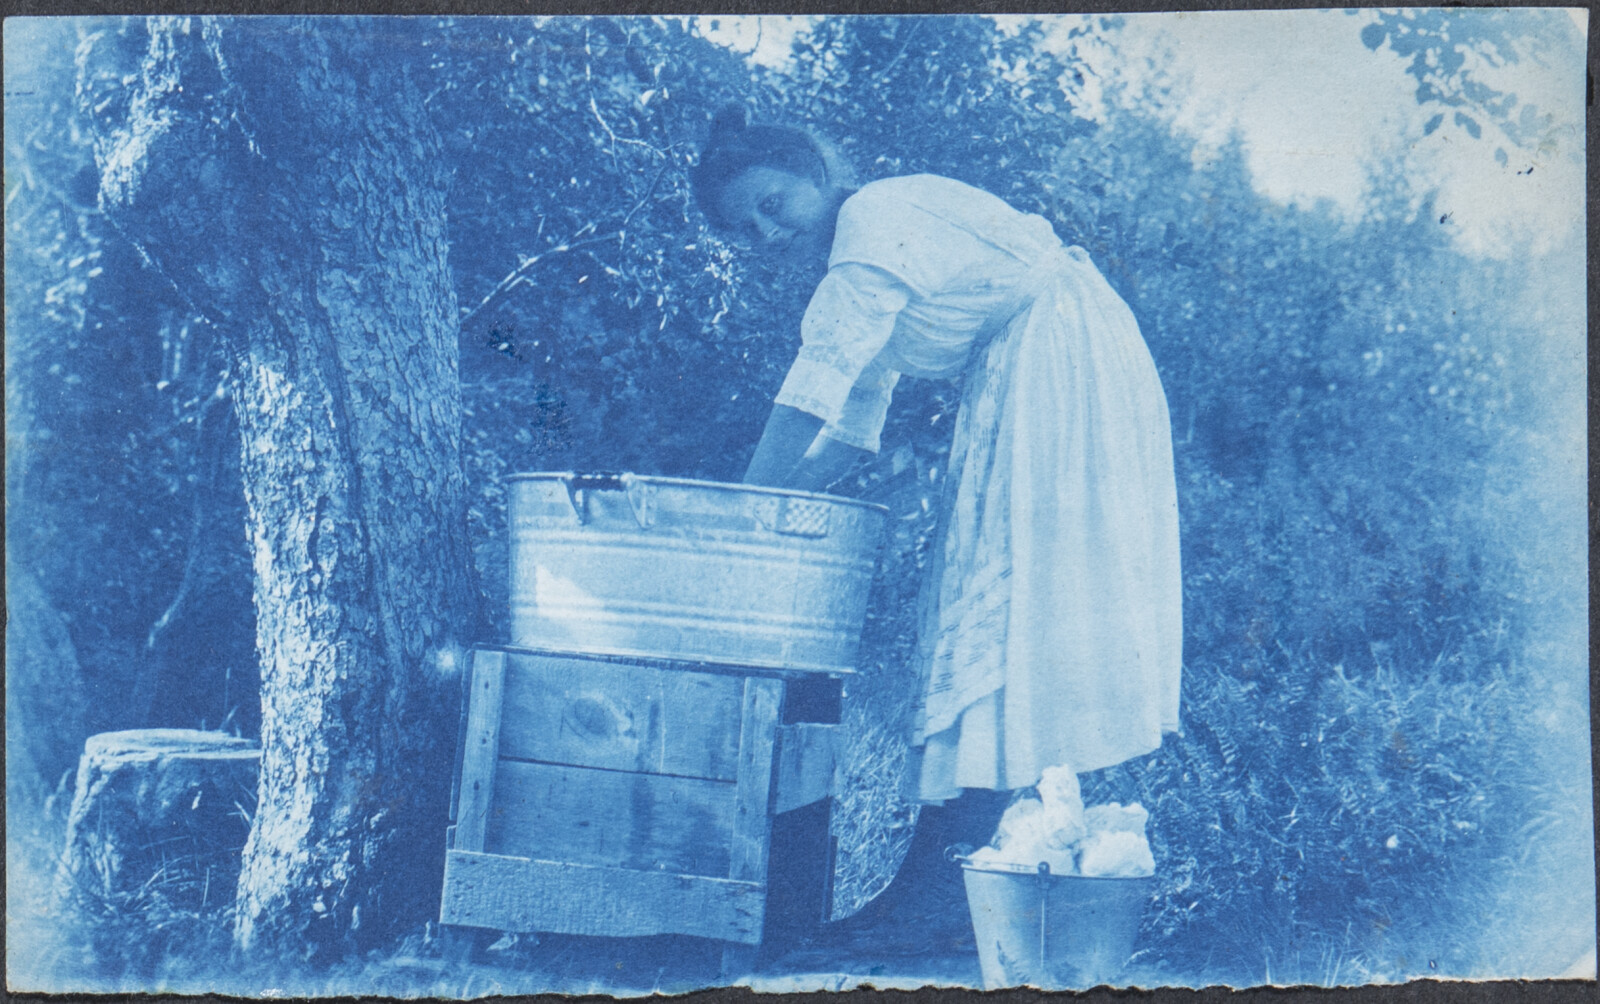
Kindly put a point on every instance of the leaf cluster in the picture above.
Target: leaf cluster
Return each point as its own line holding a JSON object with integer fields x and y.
{"x": 1454, "y": 53}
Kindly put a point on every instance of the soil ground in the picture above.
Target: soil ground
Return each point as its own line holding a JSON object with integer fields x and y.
{"x": 918, "y": 932}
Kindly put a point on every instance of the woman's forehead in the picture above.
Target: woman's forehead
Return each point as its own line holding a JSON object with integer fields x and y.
{"x": 754, "y": 182}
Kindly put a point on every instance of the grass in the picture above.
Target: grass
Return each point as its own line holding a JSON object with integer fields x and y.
{"x": 1323, "y": 826}
{"x": 1315, "y": 824}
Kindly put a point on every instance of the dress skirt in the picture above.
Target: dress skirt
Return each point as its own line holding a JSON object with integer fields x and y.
{"x": 1052, "y": 615}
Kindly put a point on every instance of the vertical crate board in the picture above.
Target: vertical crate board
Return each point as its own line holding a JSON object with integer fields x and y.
{"x": 758, "y": 726}
{"x": 481, "y": 753}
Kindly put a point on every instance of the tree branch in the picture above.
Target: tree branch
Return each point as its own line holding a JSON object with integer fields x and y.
{"x": 519, "y": 275}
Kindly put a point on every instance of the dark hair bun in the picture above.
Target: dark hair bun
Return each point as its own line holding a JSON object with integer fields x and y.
{"x": 730, "y": 119}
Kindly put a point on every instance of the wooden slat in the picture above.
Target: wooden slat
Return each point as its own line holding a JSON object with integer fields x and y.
{"x": 590, "y": 713}
{"x": 606, "y": 817}
{"x": 515, "y": 894}
{"x": 464, "y": 701}
{"x": 480, "y": 754}
{"x": 805, "y": 765}
{"x": 758, "y": 728}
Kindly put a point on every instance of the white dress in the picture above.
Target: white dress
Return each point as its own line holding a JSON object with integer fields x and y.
{"x": 1052, "y": 626}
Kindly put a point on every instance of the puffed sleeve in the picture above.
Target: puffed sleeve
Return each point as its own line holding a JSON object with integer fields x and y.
{"x": 836, "y": 375}
{"x": 861, "y": 421}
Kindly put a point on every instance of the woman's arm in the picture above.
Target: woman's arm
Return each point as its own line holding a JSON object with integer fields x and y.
{"x": 792, "y": 455}
{"x": 826, "y": 462}
{"x": 847, "y": 323}
{"x": 789, "y": 433}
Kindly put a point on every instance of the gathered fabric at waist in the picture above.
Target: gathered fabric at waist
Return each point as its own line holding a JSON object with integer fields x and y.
{"x": 1041, "y": 274}
{"x": 1045, "y": 271}
{"x": 935, "y": 347}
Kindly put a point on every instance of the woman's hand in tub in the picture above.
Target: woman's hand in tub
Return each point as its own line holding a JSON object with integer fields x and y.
{"x": 789, "y": 433}
{"x": 825, "y": 463}
{"x": 793, "y": 454}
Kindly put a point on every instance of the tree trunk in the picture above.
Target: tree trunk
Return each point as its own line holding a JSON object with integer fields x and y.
{"x": 282, "y": 174}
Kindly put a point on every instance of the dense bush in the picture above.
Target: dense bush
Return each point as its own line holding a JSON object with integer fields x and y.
{"x": 1356, "y": 410}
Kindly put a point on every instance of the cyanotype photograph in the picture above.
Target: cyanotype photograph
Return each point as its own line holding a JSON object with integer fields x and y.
{"x": 627, "y": 505}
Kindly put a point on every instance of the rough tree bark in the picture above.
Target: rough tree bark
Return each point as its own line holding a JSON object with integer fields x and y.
{"x": 281, "y": 173}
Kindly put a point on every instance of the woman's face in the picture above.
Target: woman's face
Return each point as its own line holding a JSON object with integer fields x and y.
{"x": 780, "y": 213}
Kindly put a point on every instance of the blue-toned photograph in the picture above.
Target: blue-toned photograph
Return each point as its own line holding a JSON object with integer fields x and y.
{"x": 626, "y": 505}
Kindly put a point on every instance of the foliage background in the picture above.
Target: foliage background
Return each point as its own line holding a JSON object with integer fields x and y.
{"x": 1376, "y": 433}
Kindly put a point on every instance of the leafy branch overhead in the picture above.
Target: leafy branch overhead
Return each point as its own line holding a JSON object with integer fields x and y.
{"x": 1457, "y": 56}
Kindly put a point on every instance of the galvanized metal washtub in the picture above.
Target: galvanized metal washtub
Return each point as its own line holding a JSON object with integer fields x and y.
{"x": 697, "y": 571}
{"x": 1055, "y": 932}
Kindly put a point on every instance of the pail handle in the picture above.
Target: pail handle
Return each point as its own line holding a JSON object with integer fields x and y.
{"x": 641, "y": 496}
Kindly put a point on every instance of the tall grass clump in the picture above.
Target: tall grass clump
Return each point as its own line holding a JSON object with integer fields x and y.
{"x": 1357, "y": 769}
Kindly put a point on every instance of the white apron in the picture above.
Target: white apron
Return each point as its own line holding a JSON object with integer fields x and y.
{"x": 1052, "y": 630}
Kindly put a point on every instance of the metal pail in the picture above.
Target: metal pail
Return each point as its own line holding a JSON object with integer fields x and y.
{"x": 696, "y": 571}
{"x": 1052, "y": 931}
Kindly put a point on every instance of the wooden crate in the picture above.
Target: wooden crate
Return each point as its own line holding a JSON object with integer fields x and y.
{"x": 614, "y": 798}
